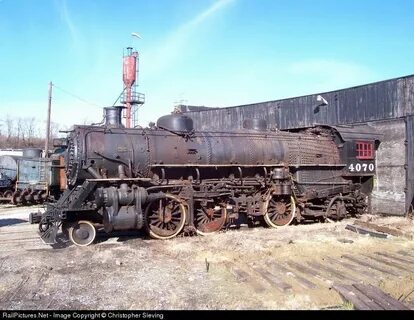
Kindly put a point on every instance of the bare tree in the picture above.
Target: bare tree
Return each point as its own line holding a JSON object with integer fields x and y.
{"x": 25, "y": 132}
{"x": 9, "y": 128}
{"x": 54, "y": 129}
{"x": 20, "y": 133}
{"x": 28, "y": 131}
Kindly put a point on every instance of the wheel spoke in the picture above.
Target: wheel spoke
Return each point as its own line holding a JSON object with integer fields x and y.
{"x": 217, "y": 215}
{"x": 158, "y": 223}
{"x": 165, "y": 217}
{"x": 175, "y": 220}
{"x": 280, "y": 211}
{"x": 208, "y": 219}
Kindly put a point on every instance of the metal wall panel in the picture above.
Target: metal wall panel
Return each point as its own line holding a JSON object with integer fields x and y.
{"x": 410, "y": 163}
{"x": 388, "y": 195}
{"x": 377, "y": 101}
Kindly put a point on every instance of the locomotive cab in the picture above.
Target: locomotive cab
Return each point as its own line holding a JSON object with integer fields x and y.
{"x": 359, "y": 144}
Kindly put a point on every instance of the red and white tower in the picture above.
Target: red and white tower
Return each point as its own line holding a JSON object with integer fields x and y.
{"x": 131, "y": 98}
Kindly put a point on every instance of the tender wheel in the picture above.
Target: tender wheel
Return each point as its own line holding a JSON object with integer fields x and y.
{"x": 82, "y": 233}
{"x": 165, "y": 217}
{"x": 16, "y": 199}
{"x": 279, "y": 211}
{"x": 209, "y": 218}
{"x": 37, "y": 196}
{"x": 8, "y": 194}
{"x": 28, "y": 195}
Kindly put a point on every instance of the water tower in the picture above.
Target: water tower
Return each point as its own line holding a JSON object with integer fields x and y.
{"x": 131, "y": 98}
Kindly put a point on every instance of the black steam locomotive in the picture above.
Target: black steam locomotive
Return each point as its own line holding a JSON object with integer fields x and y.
{"x": 169, "y": 179}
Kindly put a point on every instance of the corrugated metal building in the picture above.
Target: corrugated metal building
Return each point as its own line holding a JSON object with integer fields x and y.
{"x": 387, "y": 105}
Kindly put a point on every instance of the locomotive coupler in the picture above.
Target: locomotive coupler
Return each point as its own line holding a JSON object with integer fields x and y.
{"x": 34, "y": 217}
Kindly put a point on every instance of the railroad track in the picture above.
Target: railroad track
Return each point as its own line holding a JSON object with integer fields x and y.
{"x": 23, "y": 235}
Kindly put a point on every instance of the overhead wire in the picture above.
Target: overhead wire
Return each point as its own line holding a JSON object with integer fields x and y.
{"x": 84, "y": 100}
{"x": 75, "y": 96}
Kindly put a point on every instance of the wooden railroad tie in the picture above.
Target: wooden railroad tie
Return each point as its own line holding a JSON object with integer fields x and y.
{"x": 368, "y": 297}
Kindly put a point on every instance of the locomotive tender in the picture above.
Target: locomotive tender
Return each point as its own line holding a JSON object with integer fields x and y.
{"x": 169, "y": 179}
{"x": 29, "y": 178}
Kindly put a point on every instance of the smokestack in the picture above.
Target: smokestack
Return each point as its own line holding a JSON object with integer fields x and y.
{"x": 113, "y": 117}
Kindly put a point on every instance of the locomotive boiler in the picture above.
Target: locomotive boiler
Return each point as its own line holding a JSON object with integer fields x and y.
{"x": 169, "y": 179}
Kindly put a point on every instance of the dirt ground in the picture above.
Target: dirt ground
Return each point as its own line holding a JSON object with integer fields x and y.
{"x": 249, "y": 268}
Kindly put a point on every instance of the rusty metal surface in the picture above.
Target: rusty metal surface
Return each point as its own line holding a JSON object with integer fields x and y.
{"x": 97, "y": 148}
{"x": 209, "y": 218}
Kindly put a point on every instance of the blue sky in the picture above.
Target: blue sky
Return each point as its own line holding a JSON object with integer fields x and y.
{"x": 206, "y": 52}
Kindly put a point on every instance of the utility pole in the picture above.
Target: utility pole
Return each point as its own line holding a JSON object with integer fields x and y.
{"x": 49, "y": 107}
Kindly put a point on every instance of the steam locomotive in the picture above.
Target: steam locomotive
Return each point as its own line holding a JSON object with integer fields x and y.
{"x": 169, "y": 179}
